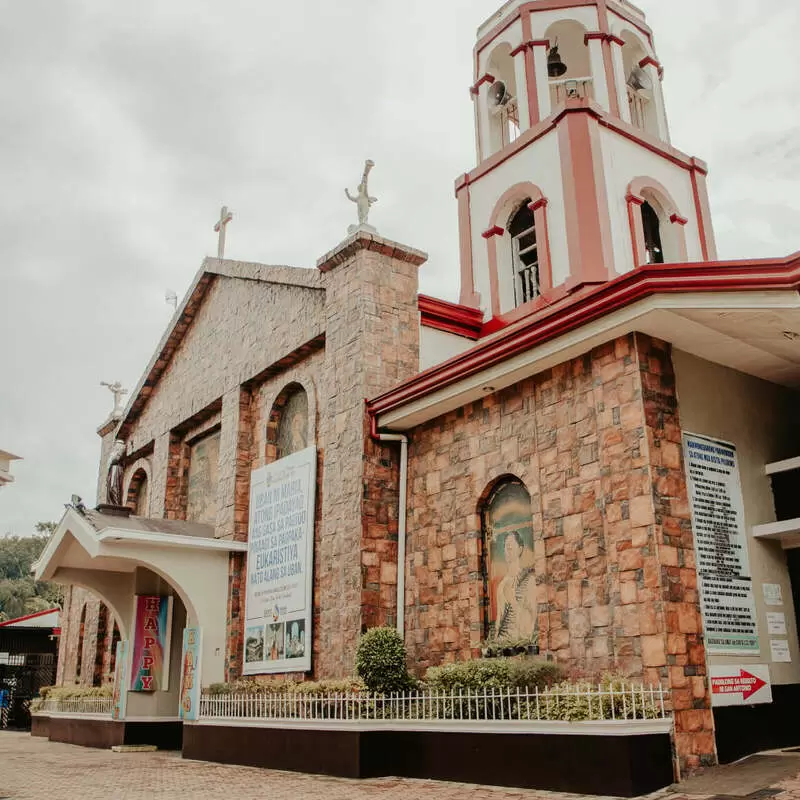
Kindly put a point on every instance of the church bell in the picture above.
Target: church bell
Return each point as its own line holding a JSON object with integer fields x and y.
{"x": 555, "y": 66}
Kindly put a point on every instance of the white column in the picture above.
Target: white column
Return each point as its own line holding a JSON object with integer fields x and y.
{"x": 598, "y": 67}
{"x": 522, "y": 91}
{"x": 620, "y": 80}
{"x": 484, "y": 123}
{"x": 658, "y": 100}
{"x": 542, "y": 81}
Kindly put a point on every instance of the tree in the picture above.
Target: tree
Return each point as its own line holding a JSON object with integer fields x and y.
{"x": 19, "y": 593}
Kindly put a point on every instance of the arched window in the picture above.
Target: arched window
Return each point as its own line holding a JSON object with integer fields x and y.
{"x": 112, "y": 662}
{"x": 524, "y": 254}
{"x": 652, "y": 235}
{"x": 100, "y": 648}
{"x": 511, "y": 611}
{"x": 138, "y": 494}
{"x": 502, "y": 98}
{"x": 573, "y": 77}
{"x": 289, "y": 421}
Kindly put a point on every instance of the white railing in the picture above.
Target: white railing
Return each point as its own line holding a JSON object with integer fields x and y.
{"x": 573, "y": 703}
{"x": 77, "y": 705}
{"x": 639, "y": 105}
{"x": 567, "y": 88}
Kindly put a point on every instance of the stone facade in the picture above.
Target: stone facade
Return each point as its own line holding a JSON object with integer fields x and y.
{"x": 596, "y": 441}
{"x": 88, "y": 637}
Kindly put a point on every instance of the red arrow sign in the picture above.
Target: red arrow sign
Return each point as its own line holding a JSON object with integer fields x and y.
{"x": 744, "y": 683}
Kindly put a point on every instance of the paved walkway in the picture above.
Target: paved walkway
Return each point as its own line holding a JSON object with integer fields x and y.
{"x": 36, "y": 769}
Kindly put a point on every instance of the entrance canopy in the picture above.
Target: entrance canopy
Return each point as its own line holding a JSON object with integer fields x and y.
{"x": 118, "y": 557}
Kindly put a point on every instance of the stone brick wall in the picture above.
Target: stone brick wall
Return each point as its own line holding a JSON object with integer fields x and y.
{"x": 95, "y": 651}
{"x": 597, "y": 443}
{"x": 372, "y": 343}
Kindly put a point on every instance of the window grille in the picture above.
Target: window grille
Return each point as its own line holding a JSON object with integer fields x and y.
{"x": 525, "y": 255}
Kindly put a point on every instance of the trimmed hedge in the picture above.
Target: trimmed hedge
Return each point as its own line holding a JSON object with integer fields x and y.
{"x": 250, "y": 686}
{"x": 494, "y": 673}
{"x": 69, "y": 693}
{"x": 381, "y": 661}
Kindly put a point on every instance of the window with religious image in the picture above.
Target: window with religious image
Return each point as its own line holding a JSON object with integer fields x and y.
{"x": 292, "y": 434}
{"x": 203, "y": 479}
{"x": 510, "y": 582}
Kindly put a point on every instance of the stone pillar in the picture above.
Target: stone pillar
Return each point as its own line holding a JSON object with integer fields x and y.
{"x": 372, "y": 344}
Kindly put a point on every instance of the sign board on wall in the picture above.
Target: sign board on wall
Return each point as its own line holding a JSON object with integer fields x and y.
{"x": 280, "y": 557}
{"x": 190, "y": 674}
{"x": 152, "y": 630}
{"x": 723, "y": 566}
{"x": 120, "y": 681}
{"x": 742, "y": 685}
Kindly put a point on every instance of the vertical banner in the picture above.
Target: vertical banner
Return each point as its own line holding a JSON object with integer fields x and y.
{"x": 120, "y": 681}
{"x": 280, "y": 558}
{"x": 720, "y": 540}
{"x": 190, "y": 674}
{"x": 152, "y": 630}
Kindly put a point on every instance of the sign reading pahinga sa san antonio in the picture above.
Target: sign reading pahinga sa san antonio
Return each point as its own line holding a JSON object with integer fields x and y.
{"x": 280, "y": 556}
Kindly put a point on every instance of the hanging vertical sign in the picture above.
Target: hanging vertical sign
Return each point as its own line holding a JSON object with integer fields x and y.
{"x": 120, "y": 681}
{"x": 152, "y": 629}
{"x": 280, "y": 557}
{"x": 720, "y": 539}
{"x": 190, "y": 674}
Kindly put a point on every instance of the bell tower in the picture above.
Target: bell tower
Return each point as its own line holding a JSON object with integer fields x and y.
{"x": 577, "y": 181}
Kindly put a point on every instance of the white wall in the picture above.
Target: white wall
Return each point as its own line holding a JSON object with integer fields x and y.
{"x": 623, "y": 161}
{"x": 761, "y": 419}
{"x": 437, "y": 346}
{"x": 539, "y": 163}
{"x": 542, "y": 20}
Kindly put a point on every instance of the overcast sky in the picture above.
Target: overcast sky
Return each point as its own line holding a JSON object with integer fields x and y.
{"x": 126, "y": 125}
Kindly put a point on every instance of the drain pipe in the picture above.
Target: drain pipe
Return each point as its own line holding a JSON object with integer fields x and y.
{"x": 402, "y": 501}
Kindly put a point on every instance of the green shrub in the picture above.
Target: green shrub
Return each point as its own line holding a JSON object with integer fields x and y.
{"x": 69, "y": 693}
{"x": 381, "y": 661}
{"x": 249, "y": 686}
{"x": 494, "y": 673}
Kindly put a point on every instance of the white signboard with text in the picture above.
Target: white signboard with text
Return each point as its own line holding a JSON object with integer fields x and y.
{"x": 740, "y": 685}
{"x": 280, "y": 561}
{"x": 723, "y": 567}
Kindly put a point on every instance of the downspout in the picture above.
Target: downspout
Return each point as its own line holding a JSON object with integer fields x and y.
{"x": 402, "y": 510}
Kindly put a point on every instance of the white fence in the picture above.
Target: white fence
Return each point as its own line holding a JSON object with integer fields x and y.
{"x": 79, "y": 705}
{"x": 561, "y": 703}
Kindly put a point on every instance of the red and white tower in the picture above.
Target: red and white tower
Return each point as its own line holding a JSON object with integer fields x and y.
{"x": 577, "y": 181}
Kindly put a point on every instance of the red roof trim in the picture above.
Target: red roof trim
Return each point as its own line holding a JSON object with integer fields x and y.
{"x": 547, "y": 324}
{"x": 450, "y": 317}
{"x": 28, "y": 616}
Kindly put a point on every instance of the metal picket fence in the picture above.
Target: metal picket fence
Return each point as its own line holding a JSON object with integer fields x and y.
{"x": 78, "y": 705}
{"x": 566, "y": 703}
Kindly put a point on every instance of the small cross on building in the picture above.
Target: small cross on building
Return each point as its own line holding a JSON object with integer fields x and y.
{"x": 225, "y": 217}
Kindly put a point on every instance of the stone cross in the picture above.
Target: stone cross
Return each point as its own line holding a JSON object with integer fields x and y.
{"x": 225, "y": 217}
{"x": 118, "y": 392}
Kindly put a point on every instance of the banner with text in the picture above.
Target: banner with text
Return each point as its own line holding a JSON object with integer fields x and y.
{"x": 720, "y": 539}
{"x": 280, "y": 574}
{"x": 190, "y": 674}
{"x": 152, "y": 630}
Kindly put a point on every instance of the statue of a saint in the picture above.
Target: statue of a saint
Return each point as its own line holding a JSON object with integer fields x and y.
{"x": 116, "y": 473}
{"x": 118, "y": 392}
{"x": 362, "y": 199}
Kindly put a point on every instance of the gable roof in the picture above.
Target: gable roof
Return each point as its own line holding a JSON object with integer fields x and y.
{"x": 40, "y": 619}
{"x": 211, "y": 270}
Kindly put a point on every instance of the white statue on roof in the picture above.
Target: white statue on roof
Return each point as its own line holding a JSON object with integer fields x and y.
{"x": 363, "y": 201}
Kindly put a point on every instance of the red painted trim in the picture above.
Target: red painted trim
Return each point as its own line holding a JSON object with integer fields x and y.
{"x": 647, "y": 60}
{"x": 537, "y": 204}
{"x": 624, "y": 14}
{"x": 519, "y": 191}
{"x": 35, "y": 615}
{"x": 608, "y": 65}
{"x": 645, "y": 140}
{"x": 519, "y": 49}
{"x": 585, "y": 197}
{"x": 530, "y": 73}
{"x": 602, "y": 15}
{"x": 635, "y": 194}
{"x": 554, "y": 321}
{"x": 540, "y": 43}
{"x": 475, "y": 88}
{"x": 708, "y": 243}
{"x": 450, "y": 317}
{"x": 679, "y": 219}
{"x": 495, "y": 230}
{"x": 494, "y": 284}
{"x": 616, "y": 40}
{"x": 594, "y": 35}
{"x": 539, "y": 208}
{"x": 637, "y": 229}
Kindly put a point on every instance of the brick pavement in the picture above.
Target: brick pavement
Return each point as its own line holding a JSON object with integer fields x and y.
{"x": 36, "y": 769}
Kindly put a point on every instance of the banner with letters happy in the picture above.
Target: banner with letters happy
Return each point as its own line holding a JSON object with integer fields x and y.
{"x": 151, "y": 639}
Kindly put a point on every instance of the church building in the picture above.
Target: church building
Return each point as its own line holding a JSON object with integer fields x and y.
{"x": 596, "y": 450}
